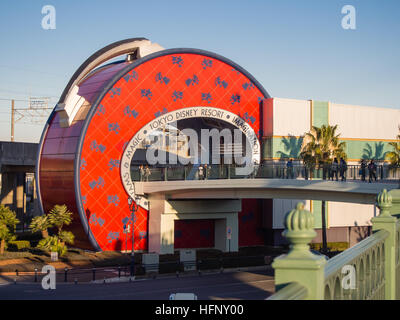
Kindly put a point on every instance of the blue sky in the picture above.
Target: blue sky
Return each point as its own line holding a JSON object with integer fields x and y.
{"x": 295, "y": 49}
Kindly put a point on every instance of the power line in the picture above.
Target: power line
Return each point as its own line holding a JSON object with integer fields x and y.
{"x": 37, "y": 112}
{"x": 24, "y": 93}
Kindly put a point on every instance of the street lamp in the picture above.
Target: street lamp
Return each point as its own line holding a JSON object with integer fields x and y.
{"x": 133, "y": 207}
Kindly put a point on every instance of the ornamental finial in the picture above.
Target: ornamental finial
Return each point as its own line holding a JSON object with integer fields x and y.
{"x": 299, "y": 230}
{"x": 384, "y": 203}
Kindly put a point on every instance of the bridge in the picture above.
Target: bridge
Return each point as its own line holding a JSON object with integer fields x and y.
{"x": 178, "y": 194}
{"x": 354, "y": 192}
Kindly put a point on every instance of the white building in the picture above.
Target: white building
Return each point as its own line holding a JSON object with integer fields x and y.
{"x": 367, "y": 132}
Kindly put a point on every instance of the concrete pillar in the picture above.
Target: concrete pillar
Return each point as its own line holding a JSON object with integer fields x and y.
{"x": 163, "y": 213}
{"x": 156, "y": 209}
{"x": 220, "y": 234}
{"x": 221, "y": 240}
{"x": 167, "y": 234}
{"x": 8, "y": 189}
{"x": 395, "y": 208}
{"x": 20, "y": 196}
{"x": 232, "y": 221}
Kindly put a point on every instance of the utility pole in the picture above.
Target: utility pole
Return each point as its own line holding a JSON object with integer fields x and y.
{"x": 12, "y": 120}
{"x": 36, "y": 112}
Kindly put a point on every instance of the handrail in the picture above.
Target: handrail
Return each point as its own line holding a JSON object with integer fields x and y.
{"x": 384, "y": 173}
{"x": 347, "y": 256}
{"x": 369, "y": 270}
{"x": 293, "y": 291}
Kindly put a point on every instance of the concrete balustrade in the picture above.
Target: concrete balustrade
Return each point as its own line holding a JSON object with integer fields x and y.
{"x": 369, "y": 270}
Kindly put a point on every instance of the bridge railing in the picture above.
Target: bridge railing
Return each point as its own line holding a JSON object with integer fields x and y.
{"x": 370, "y": 270}
{"x": 263, "y": 171}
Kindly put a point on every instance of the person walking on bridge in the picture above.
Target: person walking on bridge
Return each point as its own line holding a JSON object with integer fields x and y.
{"x": 335, "y": 168}
{"x": 371, "y": 171}
{"x": 201, "y": 172}
{"x": 362, "y": 170}
{"x": 142, "y": 173}
{"x": 147, "y": 173}
{"x": 343, "y": 169}
{"x": 289, "y": 169}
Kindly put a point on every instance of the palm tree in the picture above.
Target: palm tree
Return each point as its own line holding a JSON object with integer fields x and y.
{"x": 60, "y": 216}
{"x": 40, "y": 223}
{"x": 320, "y": 147}
{"x": 8, "y": 222}
{"x": 4, "y": 232}
{"x": 394, "y": 156}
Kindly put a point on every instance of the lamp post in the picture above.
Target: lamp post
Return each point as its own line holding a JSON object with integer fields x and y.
{"x": 133, "y": 208}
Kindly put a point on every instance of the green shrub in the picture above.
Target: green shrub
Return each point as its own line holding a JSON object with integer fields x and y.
{"x": 332, "y": 246}
{"x": 8, "y": 222}
{"x": 19, "y": 245}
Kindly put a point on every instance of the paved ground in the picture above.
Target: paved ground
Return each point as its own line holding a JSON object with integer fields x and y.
{"x": 257, "y": 284}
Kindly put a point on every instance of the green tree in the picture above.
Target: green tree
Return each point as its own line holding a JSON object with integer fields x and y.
{"x": 320, "y": 147}
{"x": 394, "y": 155}
{"x": 57, "y": 243}
{"x": 41, "y": 224}
{"x": 58, "y": 217}
{"x": 66, "y": 237}
{"x": 8, "y": 222}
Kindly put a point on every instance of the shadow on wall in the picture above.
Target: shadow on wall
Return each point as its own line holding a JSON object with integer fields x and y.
{"x": 360, "y": 232}
{"x": 291, "y": 146}
{"x": 369, "y": 154}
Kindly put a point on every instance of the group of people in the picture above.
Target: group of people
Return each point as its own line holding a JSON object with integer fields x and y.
{"x": 336, "y": 168}
{"x": 371, "y": 170}
{"x": 204, "y": 171}
{"x": 144, "y": 173}
{"x": 330, "y": 171}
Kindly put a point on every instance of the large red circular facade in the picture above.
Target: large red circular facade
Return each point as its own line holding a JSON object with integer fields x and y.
{"x": 122, "y": 103}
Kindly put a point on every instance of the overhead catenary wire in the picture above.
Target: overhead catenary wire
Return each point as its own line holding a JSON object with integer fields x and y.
{"x": 34, "y": 111}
